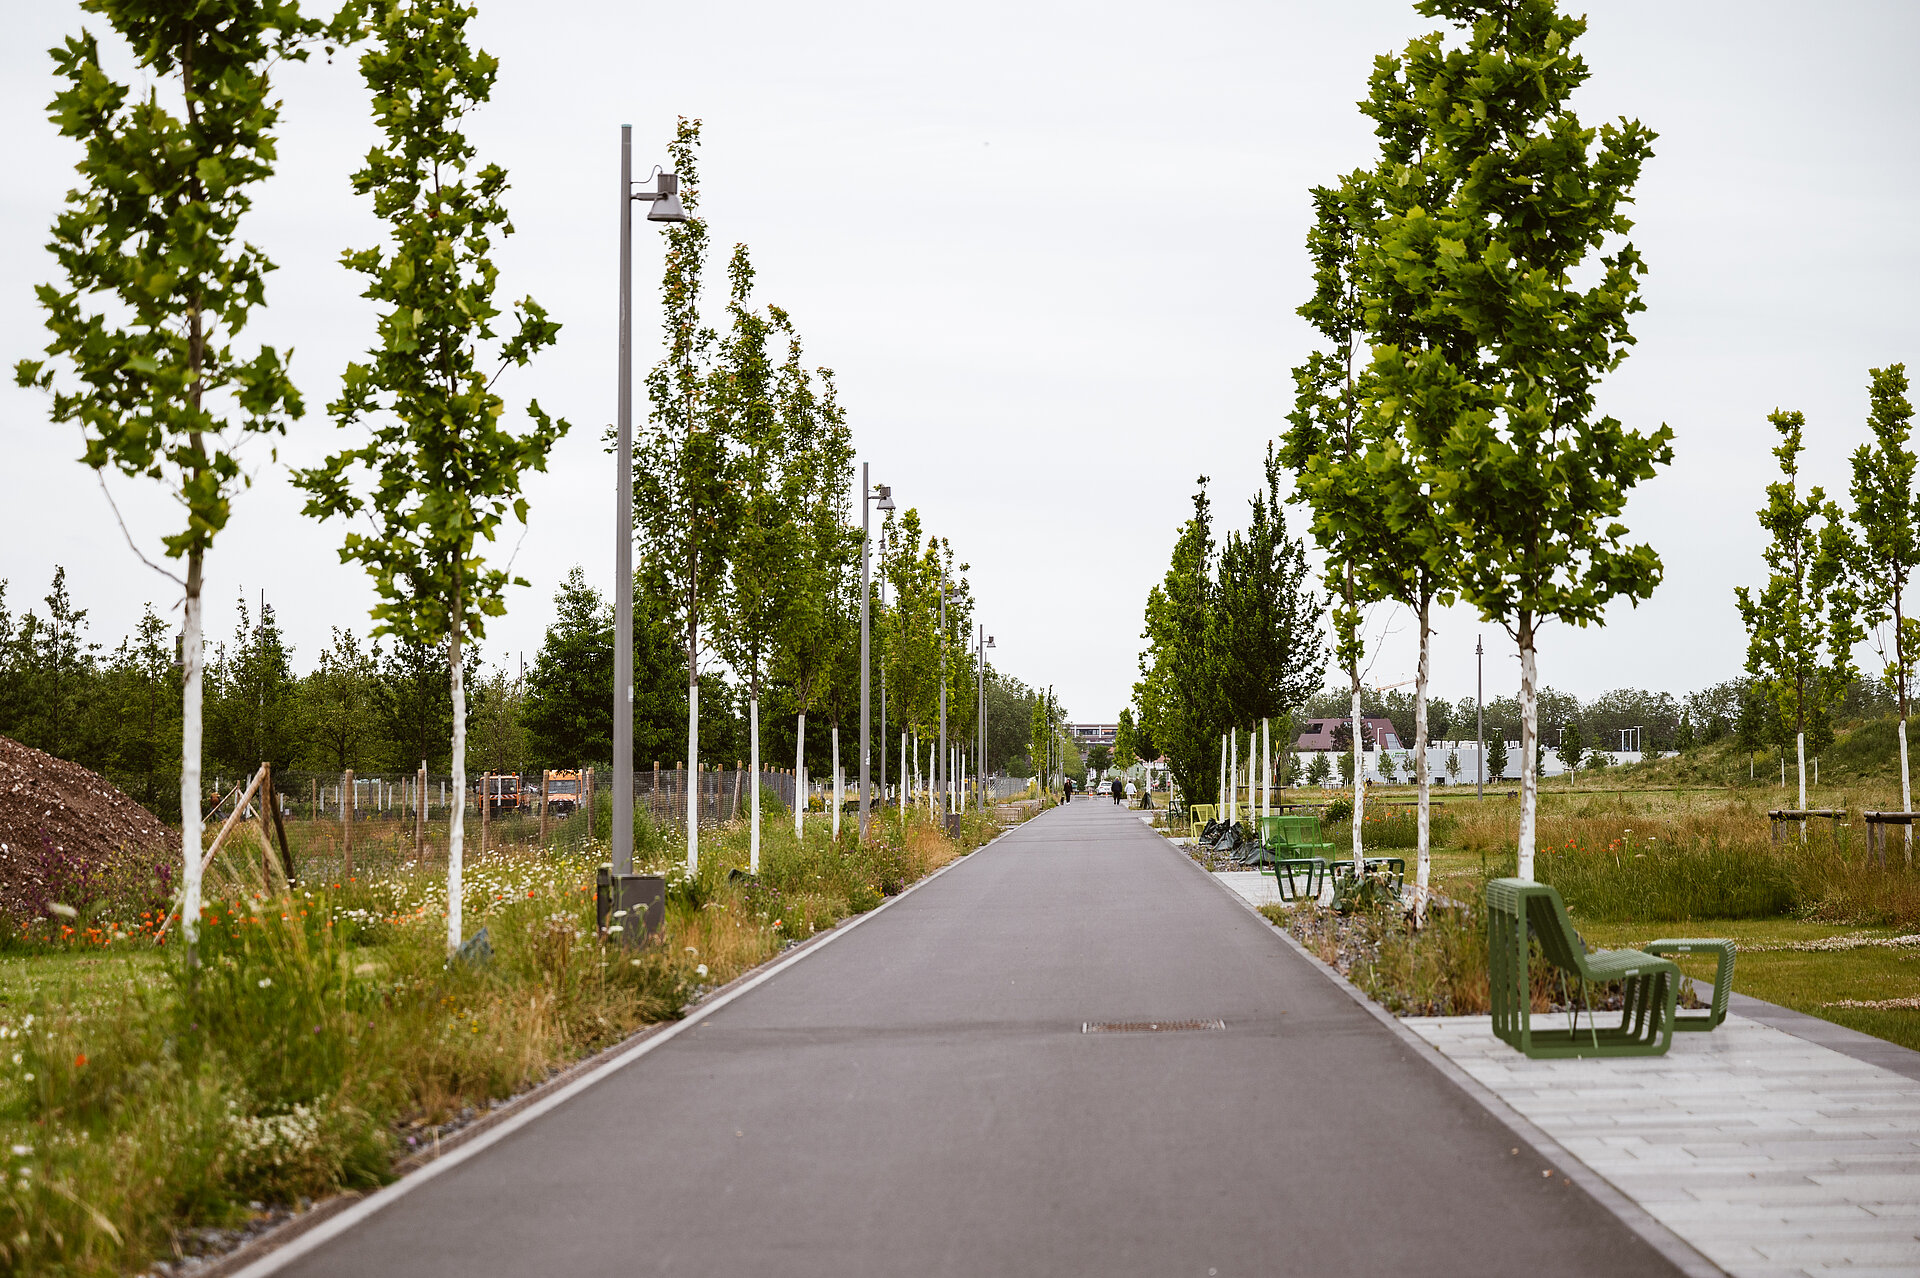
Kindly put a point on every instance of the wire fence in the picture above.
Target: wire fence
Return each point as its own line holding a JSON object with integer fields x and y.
{"x": 720, "y": 795}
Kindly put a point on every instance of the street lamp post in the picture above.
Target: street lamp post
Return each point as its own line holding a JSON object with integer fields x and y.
{"x": 665, "y": 201}
{"x": 985, "y": 642}
{"x": 941, "y": 779}
{"x": 868, "y": 496}
{"x": 1479, "y": 720}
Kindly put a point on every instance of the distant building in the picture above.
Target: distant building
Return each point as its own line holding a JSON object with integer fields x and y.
{"x": 1317, "y": 734}
{"x": 1093, "y": 734}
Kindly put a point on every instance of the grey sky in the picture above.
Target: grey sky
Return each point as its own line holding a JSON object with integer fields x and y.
{"x": 1053, "y": 252}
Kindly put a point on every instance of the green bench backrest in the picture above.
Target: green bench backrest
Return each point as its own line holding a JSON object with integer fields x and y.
{"x": 1526, "y": 902}
{"x": 1291, "y": 830}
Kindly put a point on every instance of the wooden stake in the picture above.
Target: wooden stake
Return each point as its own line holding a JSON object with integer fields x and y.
{"x": 346, "y": 817}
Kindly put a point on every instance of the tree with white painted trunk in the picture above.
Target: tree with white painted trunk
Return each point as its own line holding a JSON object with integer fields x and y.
{"x": 1886, "y": 550}
{"x": 1804, "y": 623}
{"x": 686, "y": 494}
{"x": 1325, "y": 449}
{"x": 1534, "y": 278}
{"x": 761, "y": 587}
{"x": 159, "y": 285}
{"x": 438, "y": 472}
{"x": 817, "y": 628}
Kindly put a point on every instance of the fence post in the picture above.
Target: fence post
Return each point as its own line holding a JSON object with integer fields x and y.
{"x": 420, "y": 813}
{"x": 346, "y": 818}
{"x": 586, "y": 784}
{"x": 486, "y": 808}
{"x": 545, "y": 775}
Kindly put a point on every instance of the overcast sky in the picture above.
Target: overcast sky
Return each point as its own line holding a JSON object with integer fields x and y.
{"x": 1053, "y": 252}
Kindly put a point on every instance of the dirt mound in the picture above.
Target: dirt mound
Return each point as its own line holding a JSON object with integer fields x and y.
{"x": 64, "y": 831}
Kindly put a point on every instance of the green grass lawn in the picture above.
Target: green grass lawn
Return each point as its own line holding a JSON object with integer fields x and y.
{"x": 1806, "y": 982}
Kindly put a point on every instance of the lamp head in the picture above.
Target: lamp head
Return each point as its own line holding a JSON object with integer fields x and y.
{"x": 666, "y": 206}
{"x": 885, "y": 504}
{"x": 990, "y": 642}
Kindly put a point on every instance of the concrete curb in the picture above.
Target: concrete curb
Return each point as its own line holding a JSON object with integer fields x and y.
{"x": 1677, "y": 1250}
{"x": 280, "y": 1246}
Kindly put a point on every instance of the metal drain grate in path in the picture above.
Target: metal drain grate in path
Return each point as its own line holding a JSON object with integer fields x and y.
{"x": 1147, "y": 1027}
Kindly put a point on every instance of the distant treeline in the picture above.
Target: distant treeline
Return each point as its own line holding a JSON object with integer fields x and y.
{"x": 380, "y": 706}
{"x": 1733, "y": 707}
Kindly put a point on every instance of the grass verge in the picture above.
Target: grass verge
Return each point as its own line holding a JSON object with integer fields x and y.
{"x": 325, "y": 1034}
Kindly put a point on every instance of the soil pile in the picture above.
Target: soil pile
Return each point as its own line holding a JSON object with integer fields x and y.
{"x": 61, "y": 825}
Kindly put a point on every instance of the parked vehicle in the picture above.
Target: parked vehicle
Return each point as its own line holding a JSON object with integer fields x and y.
{"x": 563, "y": 792}
{"x": 500, "y": 792}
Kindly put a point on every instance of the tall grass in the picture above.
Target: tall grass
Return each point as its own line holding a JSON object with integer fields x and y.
{"x": 325, "y": 1034}
{"x": 1622, "y": 858}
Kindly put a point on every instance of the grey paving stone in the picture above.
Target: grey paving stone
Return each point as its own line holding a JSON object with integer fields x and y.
{"x": 1770, "y": 1153}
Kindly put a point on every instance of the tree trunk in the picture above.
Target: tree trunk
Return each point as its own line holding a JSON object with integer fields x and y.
{"x": 190, "y": 831}
{"x": 456, "y": 827}
{"x": 1233, "y": 775}
{"x": 1800, "y": 748}
{"x": 800, "y": 779}
{"x": 1529, "y": 749}
{"x": 1423, "y": 865}
{"x": 753, "y": 798}
{"x": 1266, "y": 768}
{"x": 693, "y": 774}
{"x": 1359, "y": 780}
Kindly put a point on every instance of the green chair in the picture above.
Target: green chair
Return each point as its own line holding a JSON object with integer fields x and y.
{"x": 1293, "y": 848}
{"x": 1198, "y": 814}
{"x": 1518, "y": 908}
{"x": 1722, "y": 979}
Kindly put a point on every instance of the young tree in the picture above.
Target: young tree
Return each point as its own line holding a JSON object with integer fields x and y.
{"x": 145, "y": 705}
{"x": 761, "y": 589}
{"x": 1886, "y": 510}
{"x": 1264, "y": 618}
{"x": 822, "y": 620}
{"x": 157, "y": 387}
{"x": 686, "y": 499}
{"x": 254, "y": 716}
{"x": 1532, "y": 480}
{"x": 1497, "y": 756}
{"x": 1324, "y": 445}
{"x": 569, "y": 694}
{"x": 443, "y": 472}
{"x": 1126, "y": 750}
{"x": 1802, "y": 627}
{"x": 342, "y": 710}
{"x": 1573, "y": 747}
{"x": 1179, "y": 687}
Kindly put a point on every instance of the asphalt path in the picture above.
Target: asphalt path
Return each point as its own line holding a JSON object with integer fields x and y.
{"x": 919, "y": 1098}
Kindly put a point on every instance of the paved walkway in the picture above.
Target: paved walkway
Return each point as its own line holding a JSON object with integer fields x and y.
{"x": 919, "y": 1097}
{"x": 1771, "y": 1154}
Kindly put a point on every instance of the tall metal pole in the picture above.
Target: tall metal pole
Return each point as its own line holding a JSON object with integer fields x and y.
{"x": 883, "y": 713}
{"x": 866, "y": 591}
{"x": 623, "y": 537}
{"x": 980, "y": 766}
{"x": 941, "y": 780}
{"x": 1479, "y": 720}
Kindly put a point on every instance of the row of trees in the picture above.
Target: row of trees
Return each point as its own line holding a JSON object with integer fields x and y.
{"x": 1233, "y": 638}
{"x": 384, "y": 705}
{"x": 1836, "y": 576}
{"x": 742, "y": 510}
{"x": 1472, "y": 285}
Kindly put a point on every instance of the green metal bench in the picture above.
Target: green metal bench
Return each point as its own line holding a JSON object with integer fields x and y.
{"x": 1722, "y": 978}
{"x": 1295, "y": 848}
{"x": 1519, "y": 907}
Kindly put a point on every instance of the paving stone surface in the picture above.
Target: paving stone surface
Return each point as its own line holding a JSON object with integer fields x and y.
{"x": 1772, "y": 1155}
